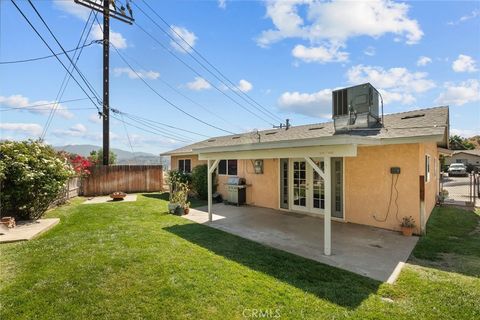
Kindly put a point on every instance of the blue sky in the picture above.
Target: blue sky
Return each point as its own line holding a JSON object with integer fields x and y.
{"x": 287, "y": 56}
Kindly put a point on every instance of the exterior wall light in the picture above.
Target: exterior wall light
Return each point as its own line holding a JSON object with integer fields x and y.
{"x": 258, "y": 166}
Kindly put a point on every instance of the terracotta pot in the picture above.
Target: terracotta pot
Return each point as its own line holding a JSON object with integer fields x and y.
{"x": 186, "y": 210}
{"x": 407, "y": 231}
{"x": 118, "y": 195}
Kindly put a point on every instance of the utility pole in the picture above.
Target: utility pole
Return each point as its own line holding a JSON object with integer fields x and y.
{"x": 109, "y": 9}
{"x": 106, "y": 84}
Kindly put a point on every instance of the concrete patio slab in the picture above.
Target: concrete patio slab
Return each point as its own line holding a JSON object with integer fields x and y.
{"x": 27, "y": 230}
{"x": 368, "y": 251}
{"x": 107, "y": 199}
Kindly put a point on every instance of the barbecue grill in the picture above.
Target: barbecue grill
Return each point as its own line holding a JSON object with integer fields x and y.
{"x": 236, "y": 190}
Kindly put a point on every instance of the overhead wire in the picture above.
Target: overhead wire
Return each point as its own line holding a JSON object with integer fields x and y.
{"x": 66, "y": 78}
{"x": 51, "y": 50}
{"x": 139, "y": 76}
{"x": 231, "y": 85}
{"x": 48, "y": 56}
{"x": 200, "y": 75}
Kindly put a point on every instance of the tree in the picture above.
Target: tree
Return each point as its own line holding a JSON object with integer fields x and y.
{"x": 32, "y": 175}
{"x": 97, "y": 157}
{"x": 458, "y": 143}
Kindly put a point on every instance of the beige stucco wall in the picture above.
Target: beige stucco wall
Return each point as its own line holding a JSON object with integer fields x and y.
{"x": 431, "y": 187}
{"x": 263, "y": 188}
{"x": 367, "y": 182}
{"x": 368, "y": 185}
{"x": 194, "y": 158}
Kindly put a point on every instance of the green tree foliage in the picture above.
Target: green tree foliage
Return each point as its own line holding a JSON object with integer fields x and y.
{"x": 177, "y": 177}
{"x": 200, "y": 181}
{"x": 31, "y": 176}
{"x": 97, "y": 157}
{"x": 458, "y": 143}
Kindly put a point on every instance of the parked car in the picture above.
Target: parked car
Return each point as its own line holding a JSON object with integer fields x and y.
{"x": 457, "y": 169}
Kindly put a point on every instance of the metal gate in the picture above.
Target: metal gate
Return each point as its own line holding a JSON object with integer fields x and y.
{"x": 460, "y": 190}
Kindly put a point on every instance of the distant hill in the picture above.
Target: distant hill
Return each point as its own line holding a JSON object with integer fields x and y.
{"x": 123, "y": 156}
{"x": 475, "y": 140}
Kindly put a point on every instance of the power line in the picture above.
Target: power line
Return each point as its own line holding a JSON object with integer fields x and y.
{"x": 89, "y": 86}
{"x": 232, "y": 86}
{"x": 126, "y": 132}
{"x": 51, "y": 50}
{"x": 146, "y": 130}
{"x": 49, "y": 56}
{"x": 26, "y": 108}
{"x": 50, "y": 103}
{"x": 184, "y": 95}
{"x": 162, "y": 97}
{"x": 66, "y": 78}
{"x": 198, "y": 74}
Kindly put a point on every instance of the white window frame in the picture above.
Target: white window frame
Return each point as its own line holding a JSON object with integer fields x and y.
{"x": 226, "y": 168}
{"x": 183, "y": 169}
{"x": 427, "y": 168}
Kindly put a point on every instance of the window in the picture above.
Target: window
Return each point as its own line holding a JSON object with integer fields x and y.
{"x": 227, "y": 167}
{"x": 435, "y": 167}
{"x": 427, "y": 168}
{"x": 284, "y": 183}
{"x": 185, "y": 165}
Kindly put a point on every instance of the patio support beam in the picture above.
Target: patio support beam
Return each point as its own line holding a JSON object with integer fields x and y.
{"x": 326, "y": 174}
{"x": 211, "y": 166}
{"x": 327, "y": 215}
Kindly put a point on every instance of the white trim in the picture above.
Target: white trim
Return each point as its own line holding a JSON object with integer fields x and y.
{"x": 427, "y": 173}
{"x": 210, "y": 169}
{"x": 349, "y": 150}
{"x": 327, "y": 221}
{"x": 320, "y": 141}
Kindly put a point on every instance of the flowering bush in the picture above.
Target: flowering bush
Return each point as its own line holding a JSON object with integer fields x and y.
{"x": 81, "y": 165}
{"x": 31, "y": 176}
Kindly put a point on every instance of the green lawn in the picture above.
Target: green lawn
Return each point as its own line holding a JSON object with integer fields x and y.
{"x": 134, "y": 261}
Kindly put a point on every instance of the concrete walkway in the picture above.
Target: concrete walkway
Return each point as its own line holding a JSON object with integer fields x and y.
{"x": 368, "y": 251}
{"x": 27, "y": 230}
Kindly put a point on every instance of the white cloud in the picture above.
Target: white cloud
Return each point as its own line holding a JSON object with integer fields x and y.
{"x": 222, "y": 4}
{"x": 189, "y": 37}
{"x": 328, "y": 25}
{"x": 244, "y": 85}
{"x": 72, "y": 8}
{"x": 319, "y": 54}
{"x": 198, "y": 84}
{"x": 461, "y": 93}
{"x": 464, "y": 63}
{"x": 474, "y": 14}
{"x": 317, "y": 104}
{"x": 77, "y": 130}
{"x": 369, "y": 51}
{"x": 153, "y": 75}
{"x": 31, "y": 129}
{"x": 94, "y": 118}
{"x": 395, "y": 84}
{"x": 466, "y": 133}
{"x": 37, "y": 107}
{"x": 423, "y": 61}
{"x": 116, "y": 38}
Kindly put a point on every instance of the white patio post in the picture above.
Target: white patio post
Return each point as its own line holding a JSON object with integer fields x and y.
{"x": 210, "y": 168}
{"x": 327, "y": 216}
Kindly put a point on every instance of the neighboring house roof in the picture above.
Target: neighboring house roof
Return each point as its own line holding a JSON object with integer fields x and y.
{"x": 420, "y": 124}
{"x": 474, "y": 152}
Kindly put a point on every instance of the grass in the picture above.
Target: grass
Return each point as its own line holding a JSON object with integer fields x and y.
{"x": 133, "y": 261}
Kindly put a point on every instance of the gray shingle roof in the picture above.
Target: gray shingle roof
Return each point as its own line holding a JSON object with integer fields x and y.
{"x": 416, "y": 123}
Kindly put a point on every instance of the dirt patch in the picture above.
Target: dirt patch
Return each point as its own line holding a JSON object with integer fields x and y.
{"x": 476, "y": 230}
{"x": 451, "y": 262}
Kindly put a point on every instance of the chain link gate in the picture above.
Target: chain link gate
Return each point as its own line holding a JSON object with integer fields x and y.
{"x": 460, "y": 190}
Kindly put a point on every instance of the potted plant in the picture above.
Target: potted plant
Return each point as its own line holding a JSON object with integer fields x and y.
{"x": 408, "y": 224}
{"x": 178, "y": 199}
{"x": 118, "y": 195}
{"x": 186, "y": 208}
{"x": 442, "y": 196}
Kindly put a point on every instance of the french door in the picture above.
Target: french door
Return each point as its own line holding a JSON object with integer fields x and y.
{"x": 307, "y": 187}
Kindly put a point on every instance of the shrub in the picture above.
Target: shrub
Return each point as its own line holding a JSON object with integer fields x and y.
{"x": 32, "y": 175}
{"x": 175, "y": 177}
{"x": 200, "y": 181}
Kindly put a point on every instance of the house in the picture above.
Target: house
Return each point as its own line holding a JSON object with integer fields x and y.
{"x": 467, "y": 157}
{"x": 369, "y": 174}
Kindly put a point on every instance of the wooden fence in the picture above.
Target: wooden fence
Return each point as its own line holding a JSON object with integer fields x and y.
{"x": 127, "y": 178}
{"x": 70, "y": 190}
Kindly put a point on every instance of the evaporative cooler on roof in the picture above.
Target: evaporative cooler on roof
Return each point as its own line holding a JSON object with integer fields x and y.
{"x": 356, "y": 108}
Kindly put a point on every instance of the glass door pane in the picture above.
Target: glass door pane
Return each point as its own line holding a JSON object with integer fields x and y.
{"x": 299, "y": 184}
{"x": 318, "y": 197}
